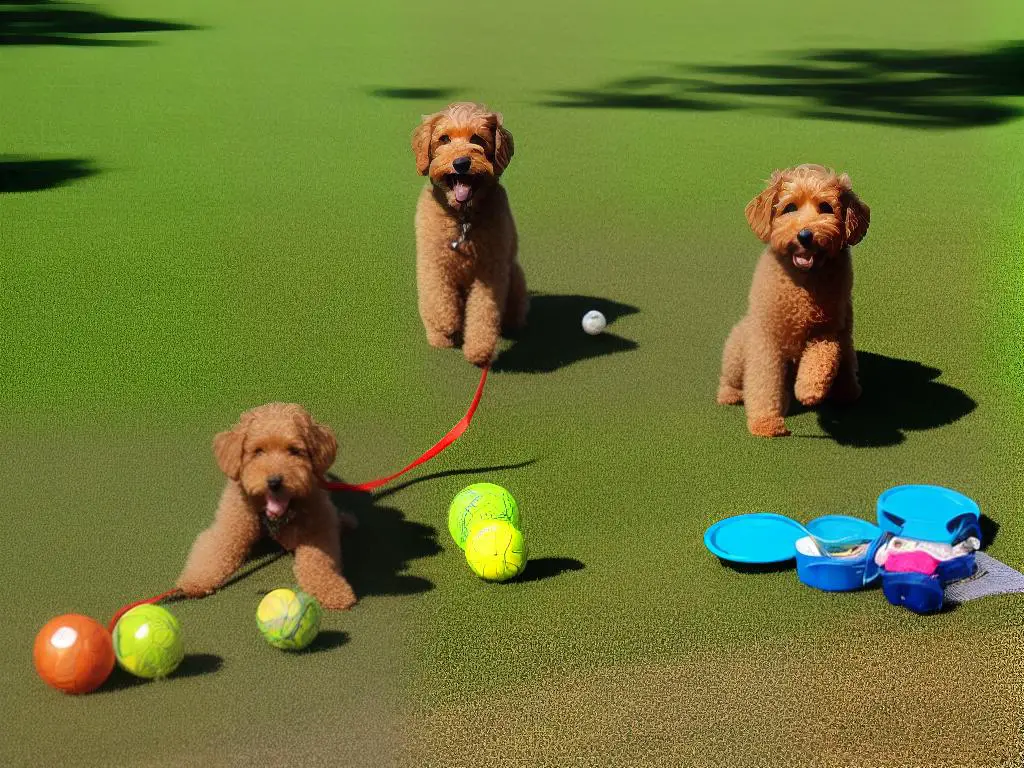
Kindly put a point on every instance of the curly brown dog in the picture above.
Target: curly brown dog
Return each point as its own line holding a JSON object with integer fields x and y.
{"x": 801, "y": 308}
{"x": 274, "y": 458}
{"x": 470, "y": 284}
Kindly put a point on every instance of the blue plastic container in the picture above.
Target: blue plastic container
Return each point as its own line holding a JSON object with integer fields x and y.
{"x": 914, "y": 591}
{"x": 957, "y": 568}
{"x": 835, "y": 574}
{"x": 922, "y": 593}
{"x": 928, "y": 513}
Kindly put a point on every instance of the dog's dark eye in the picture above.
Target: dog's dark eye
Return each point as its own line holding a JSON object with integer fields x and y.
{"x": 257, "y": 452}
{"x": 824, "y": 208}
{"x": 443, "y": 139}
{"x": 292, "y": 450}
{"x": 474, "y": 139}
{"x": 789, "y": 208}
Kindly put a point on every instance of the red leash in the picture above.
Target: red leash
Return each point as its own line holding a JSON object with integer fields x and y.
{"x": 137, "y": 603}
{"x": 453, "y": 434}
{"x": 336, "y": 485}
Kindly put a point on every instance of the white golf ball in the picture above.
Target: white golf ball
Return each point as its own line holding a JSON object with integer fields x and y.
{"x": 594, "y": 322}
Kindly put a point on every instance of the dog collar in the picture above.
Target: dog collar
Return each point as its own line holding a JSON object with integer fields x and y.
{"x": 464, "y": 226}
{"x": 274, "y": 526}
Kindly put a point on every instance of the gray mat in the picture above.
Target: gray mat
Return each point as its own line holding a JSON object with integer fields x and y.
{"x": 991, "y": 578}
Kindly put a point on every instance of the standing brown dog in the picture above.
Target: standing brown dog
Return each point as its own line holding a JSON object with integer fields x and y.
{"x": 801, "y": 307}
{"x": 274, "y": 459}
{"x": 470, "y": 284}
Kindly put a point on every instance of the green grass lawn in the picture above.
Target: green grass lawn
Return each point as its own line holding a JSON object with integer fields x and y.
{"x": 205, "y": 206}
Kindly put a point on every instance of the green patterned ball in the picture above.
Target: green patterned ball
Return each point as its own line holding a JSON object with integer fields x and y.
{"x": 288, "y": 619}
{"x": 147, "y": 641}
{"x": 476, "y": 504}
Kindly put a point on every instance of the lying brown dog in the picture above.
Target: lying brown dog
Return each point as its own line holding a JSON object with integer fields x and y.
{"x": 801, "y": 306}
{"x": 274, "y": 459}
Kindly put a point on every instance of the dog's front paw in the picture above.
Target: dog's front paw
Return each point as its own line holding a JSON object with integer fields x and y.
{"x": 729, "y": 395}
{"x": 193, "y": 589}
{"x": 440, "y": 339}
{"x": 768, "y": 426}
{"x": 810, "y": 394}
{"x": 478, "y": 355}
{"x": 338, "y": 598}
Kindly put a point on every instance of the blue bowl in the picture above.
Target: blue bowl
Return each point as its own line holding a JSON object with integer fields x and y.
{"x": 830, "y": 574}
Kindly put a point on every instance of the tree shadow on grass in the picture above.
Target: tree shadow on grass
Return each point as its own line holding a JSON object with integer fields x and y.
{"x": 615, "y": 96}
{"x": 553, "y": 337}
{"x": 378, "y": 554}
{"x": 899, "y": 396}
{"x": 908, "y": 88}
{"x": 43, "y": 22}
{"x": 36, "y": 174}
{"x": 193, "y": 665}
{"x": 413, "y": 94}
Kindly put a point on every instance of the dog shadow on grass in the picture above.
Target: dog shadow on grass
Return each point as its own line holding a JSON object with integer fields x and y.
{"x": 554, "y": 338}
{"x": 19, "y": 174}
{"x": 899, "y": 396}
{"x": 42, "y": 22}
{"x": 377, "y": 555}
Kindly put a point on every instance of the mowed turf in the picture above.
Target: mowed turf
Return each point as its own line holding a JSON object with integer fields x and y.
{"x": 214, "y": 211}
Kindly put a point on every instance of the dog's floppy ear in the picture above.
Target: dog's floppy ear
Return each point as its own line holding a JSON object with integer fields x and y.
{"x": 504, "y": 147}
{"x": 322, "y": 447}
{"x": 856, "y": 213}
{"x": 421, "y": 142}
{"x": 227, "y": 447}
{"x": 760, "y": 210}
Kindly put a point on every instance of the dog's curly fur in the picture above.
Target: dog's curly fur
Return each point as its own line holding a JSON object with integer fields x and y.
{"x": 801, "y": 308}
{"x": 273, "y": 459}
{"x": 470, "y": 288}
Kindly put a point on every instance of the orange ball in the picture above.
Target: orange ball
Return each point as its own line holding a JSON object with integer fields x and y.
{"x": 74, "y": 653}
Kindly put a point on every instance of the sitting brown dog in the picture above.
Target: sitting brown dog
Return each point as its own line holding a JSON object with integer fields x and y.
{"x": 801, "y": 307}
{"x": 470, "y": 284}
{"x": 274, "y": 458}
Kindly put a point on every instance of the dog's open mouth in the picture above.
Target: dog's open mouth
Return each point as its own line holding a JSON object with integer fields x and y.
{"x": 277, "y": 505}
{"x": 461, "y": 185}
{"x": 803, "y": 259}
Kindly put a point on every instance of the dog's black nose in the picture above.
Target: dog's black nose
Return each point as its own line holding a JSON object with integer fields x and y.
{"x": 806, "y": 237}
{"x": 274, "y": 482}
{"x": 462, "y": 164}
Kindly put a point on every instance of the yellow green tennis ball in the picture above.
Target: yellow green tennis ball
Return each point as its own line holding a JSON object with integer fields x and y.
{"x": 288, "y": 619}
{"x": 478, "y": 503}
{"x": 147, "y": 641}
{"x": 496, "y": 551}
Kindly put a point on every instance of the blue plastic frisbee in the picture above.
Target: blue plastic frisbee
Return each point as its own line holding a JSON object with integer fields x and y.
{"x": 758, "y": 538}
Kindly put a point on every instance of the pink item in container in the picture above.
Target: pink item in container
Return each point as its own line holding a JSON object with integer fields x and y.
{"x": 915, "y": 561}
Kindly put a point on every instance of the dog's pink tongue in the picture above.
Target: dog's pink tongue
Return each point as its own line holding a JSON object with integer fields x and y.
{"x": 462, "y": 191}
{"x": 276, "y": 507}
